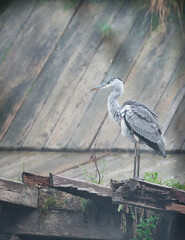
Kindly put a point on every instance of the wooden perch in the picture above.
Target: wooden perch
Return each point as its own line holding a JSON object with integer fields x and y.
{"x": 150, "y": 195}
{"x": 74, "y": 186}
{"x": 18, "y": 193}
{"x": 135, "y": 192}
{"x": 80, "y": 187}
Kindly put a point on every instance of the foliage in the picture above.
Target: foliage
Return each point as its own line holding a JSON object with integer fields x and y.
{"x": 68, "y": 4}
{"x": 120, "y": 207}
{"x": 92, "y": 177}
{"x": 46, "y": 204}
{"x": 174, "y": 183}
{"x": 89, "y": 176}
{"x": 105, "y": 29}
{"x": 5, "y": 53}
{"x": 153, "y": 177}
{"x": 88, "y": 207}
{"x": 161, "y": 9}
{"x": 144, "y": 229}
{"x": 131, "y": 211}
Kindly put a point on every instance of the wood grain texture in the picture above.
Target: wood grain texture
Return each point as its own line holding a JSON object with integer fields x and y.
{"x": 26, "y": 57}
{"x": 95, "y": 113}
{"x": 157, "y": 71}
{"x": 18, "y": 193}
{"x": 139, "y": 192}
{"x": 63, "y": 224}
{"x": 117, "y": 165}
{"x": 150, "y": 195}
{"x": 80, "y": 187}
{"x": 12, "y": 164}
{"x": 71, "y": 83}
{"x": 18, "y": 13}
{"x": 45, "y": 101}
{"x": 121, "y": 67}
{"x": 176, "y": 131}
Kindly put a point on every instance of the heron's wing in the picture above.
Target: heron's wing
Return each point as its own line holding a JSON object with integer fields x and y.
{"x": 136, "y": 104}
{"x": 142, "y": 122}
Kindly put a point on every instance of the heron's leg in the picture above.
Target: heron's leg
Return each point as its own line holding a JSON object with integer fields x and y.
{"x": 135, "y": 159}
{"x": 138, "y": 159}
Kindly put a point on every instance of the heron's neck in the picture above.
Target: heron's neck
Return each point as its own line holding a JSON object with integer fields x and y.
{"x": 113, "y": 105}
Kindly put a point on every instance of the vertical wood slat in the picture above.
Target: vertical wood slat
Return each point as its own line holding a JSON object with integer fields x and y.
{"x": 84, "y": 47}
{"x": 159, "y": 66}
{"x": 27, "y": 57}
{"x": 57, "y": 132}
{"x": 19, "y": 13}
{"x": 121, "y": 67}
{"x": 176, "y": 131}
{"x": 95, "y": 112}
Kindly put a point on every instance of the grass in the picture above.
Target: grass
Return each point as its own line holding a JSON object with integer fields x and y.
{"x": 68, "y": 4}
{"x": 145, "y": 228}
{"x": 162, "y": 10}
{"x": 154, "y": 178}
{"x": 46, "y": 204}
{"x": 105, "y": 30}
{"x": 87, "y": 205}
{"x": 5, "y": 53}
{"x": 94, "y": 177}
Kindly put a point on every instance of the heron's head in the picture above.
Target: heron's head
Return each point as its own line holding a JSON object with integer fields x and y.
{"x": 112, "y": 82}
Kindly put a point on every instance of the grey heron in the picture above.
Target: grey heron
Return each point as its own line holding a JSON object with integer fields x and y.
{"x": 137, "y": 121}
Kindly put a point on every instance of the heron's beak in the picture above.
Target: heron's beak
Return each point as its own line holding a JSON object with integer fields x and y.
{"x": 99, "y": 86}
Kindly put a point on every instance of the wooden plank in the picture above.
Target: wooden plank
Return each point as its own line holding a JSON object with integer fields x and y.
{"x": 99, "y": 224}
{"x": 159, "y": 65}
{"x": 172, "y": 97}
{"x": 134, "y": 191}
{"x": 116, "y": 165}
{"x": 5, "y": 11}
{"x": 26, "y": 58}
{"x": 32, "y": 179}
{"x": 119, "y": 166}
{"x": 61, "y": 224}
{"x": 58, "y": 64}
{"x": 121, "y": 66}
{"x": 94, "y": 112}
{"x": 13, "y": 163}
{"x": 183, "y": 146}
{"x": 148, "y": 194}
{"x": 175, "y": 135}
{"x": 18, "y": 193}
{"x": 16, "y": 15}
{"x": 80, "y": 187}
{"x": 82, "y": 39}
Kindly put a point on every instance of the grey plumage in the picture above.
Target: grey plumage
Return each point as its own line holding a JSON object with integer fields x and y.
{"x": 137, "y": 121}
{"x": 142, "y": 121}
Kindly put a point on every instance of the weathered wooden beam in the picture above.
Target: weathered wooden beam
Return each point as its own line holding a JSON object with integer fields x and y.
{"x": 18, "y": 193}
{"x": 80, "y": 187}
{"x": 33, "y": 179}
{"x": 62, "y": 224}
{"x": 135, "y": 192}
{"x": 70, "y": 185}
{"x": 144, "y": 194}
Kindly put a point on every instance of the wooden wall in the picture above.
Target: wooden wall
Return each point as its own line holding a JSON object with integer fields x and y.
{"x": 52, "y": 54}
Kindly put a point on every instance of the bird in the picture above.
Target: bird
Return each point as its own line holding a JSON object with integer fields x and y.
{"x": 137, "y": 121}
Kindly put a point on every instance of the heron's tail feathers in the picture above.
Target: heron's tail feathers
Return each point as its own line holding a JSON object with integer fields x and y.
{"x": 161, "y": 148}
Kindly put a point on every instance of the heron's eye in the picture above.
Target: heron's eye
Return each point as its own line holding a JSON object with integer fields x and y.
{"x": 108, "y": 82}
